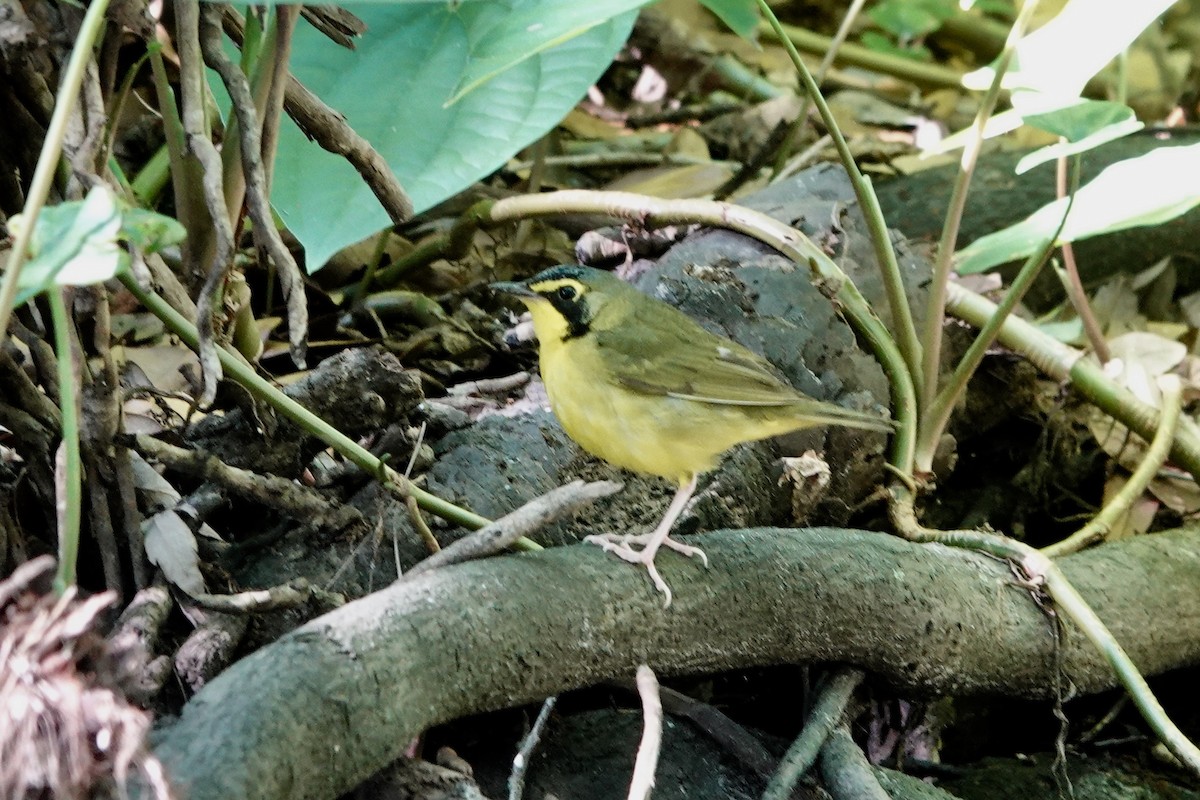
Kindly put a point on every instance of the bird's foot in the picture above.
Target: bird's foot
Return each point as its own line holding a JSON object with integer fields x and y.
{"x": 620, "y": 545}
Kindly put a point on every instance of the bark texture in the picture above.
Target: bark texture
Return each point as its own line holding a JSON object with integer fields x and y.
{"x": 319, "y": 710}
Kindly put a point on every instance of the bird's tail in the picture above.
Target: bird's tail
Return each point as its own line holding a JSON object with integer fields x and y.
{"x": 815, "y": 413}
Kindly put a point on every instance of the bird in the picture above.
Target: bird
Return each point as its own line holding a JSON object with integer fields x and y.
{"x": 640, "y": 384}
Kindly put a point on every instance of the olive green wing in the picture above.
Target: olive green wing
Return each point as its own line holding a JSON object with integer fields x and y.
{"x": 680, "y": 359}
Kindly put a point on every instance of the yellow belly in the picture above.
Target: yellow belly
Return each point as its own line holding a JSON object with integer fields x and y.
{"x": 657, "y": 435}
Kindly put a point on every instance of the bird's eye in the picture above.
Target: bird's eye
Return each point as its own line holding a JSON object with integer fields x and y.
{"x": 566, "y": 293}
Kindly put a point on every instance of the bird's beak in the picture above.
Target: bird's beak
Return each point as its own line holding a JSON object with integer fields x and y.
{"x": 516, "y": 289}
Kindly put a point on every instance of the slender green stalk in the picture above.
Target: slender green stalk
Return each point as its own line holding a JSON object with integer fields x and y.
{"x": 1043, "y": 573}
{"x": 935, "y": 312}
{"x": 254, "y": 39}
{"x": 245, "y": 375}
{"x": 1075, "y": 290}
{"x": 47, "y": 165}
{"x": 117, "y": 104}
{"x": 360, "y": 292}
{"x": 1147, "y": 470}
{"x": 930, "y": 75}
{"x": 1067, "y": 364}
{"x": 152, "y": 178}
{"x": 893, "y": 281}
{"x": 1075, "y": 608}
{"x": 835, "y": 44}
{"x": 183, "y": 169}
{"x": 937, "y": 415}
{"x": 68, "y": 467}
{"x": 734, "y": 77}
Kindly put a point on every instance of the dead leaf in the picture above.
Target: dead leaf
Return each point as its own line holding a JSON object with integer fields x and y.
{"x": 171, "y": 546}
{"x": 156, "y": 490}
{"x": 163, "y": 365}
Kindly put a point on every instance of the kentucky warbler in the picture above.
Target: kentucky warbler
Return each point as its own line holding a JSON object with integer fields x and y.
{"x": 640, "y": 384}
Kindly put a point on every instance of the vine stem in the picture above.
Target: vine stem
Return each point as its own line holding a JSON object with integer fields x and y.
{"x": 1044, "y": 575}
{"x": 906, "y": 331}
{"x": 1069, "y": 365}
{"x": 47, "y": 164}
{"x": 245, "y": 375}
{"x": 68, "y": 464}
{"x": 935, "y": 310}
{"x": 1147, "y": 469}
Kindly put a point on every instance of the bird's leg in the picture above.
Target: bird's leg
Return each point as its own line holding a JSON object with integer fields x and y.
{"x": 620, "y": 544}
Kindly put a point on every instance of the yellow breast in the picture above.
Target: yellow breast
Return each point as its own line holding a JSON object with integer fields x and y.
{"x": 656, "y": 435}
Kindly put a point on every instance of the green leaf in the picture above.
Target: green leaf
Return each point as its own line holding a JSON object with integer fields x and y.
{"x": 394, "y": 91}
{"x": 1055, "y": 151}
{"x": 73, "y": 244}
{"x": 876, "y": 41}
{"x": 1089, "y": 122}
{"x": 1062, "y": 55}
{"x": 1076, "y": 121}
{"x": 1083, "y": 123}
{"x": 911, "y": 19}
{"x": 501, "y": 35}
{"x": 149, "y": 231}
{"x": 1147, "y": 190}
{"x": 741, "y": 16}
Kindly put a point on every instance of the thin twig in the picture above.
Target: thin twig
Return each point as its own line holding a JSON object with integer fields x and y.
{"x": 534, "y": 515}
{"x": 285, "y": 496}
{"x": 257, "y": 205}
{"x": 414, "y": 511}
{"x": 826, "y": 712}
{"x": 502, "y": 385}
{"x": 516, "y": 781}
{"x": 835, "y": 44}
{"x": 284, "y": 26}
{"x": 803, "y": 158}
{"x": 330, "y": 130}
{"x": 1075, "y": 291}
{"x": 257, "y": 601}
{"x": 195, "y": 125}
{"x": 1091, "y": 733}
{"x": 642, "y": 782}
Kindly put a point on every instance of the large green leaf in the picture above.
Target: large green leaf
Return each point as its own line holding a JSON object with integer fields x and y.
{"x": 1084, "y": 124}
{"x": 1061, "y": 56}
{"x": 1053, "y": 64}
{"x": 395, "y": 88}
{"x": 502, "y": 35}
{"x": 741, "y": 16}
{"x": 1147, "y": 190}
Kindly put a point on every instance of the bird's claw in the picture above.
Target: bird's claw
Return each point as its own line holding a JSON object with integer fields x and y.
{"x": 620, "y": 545}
